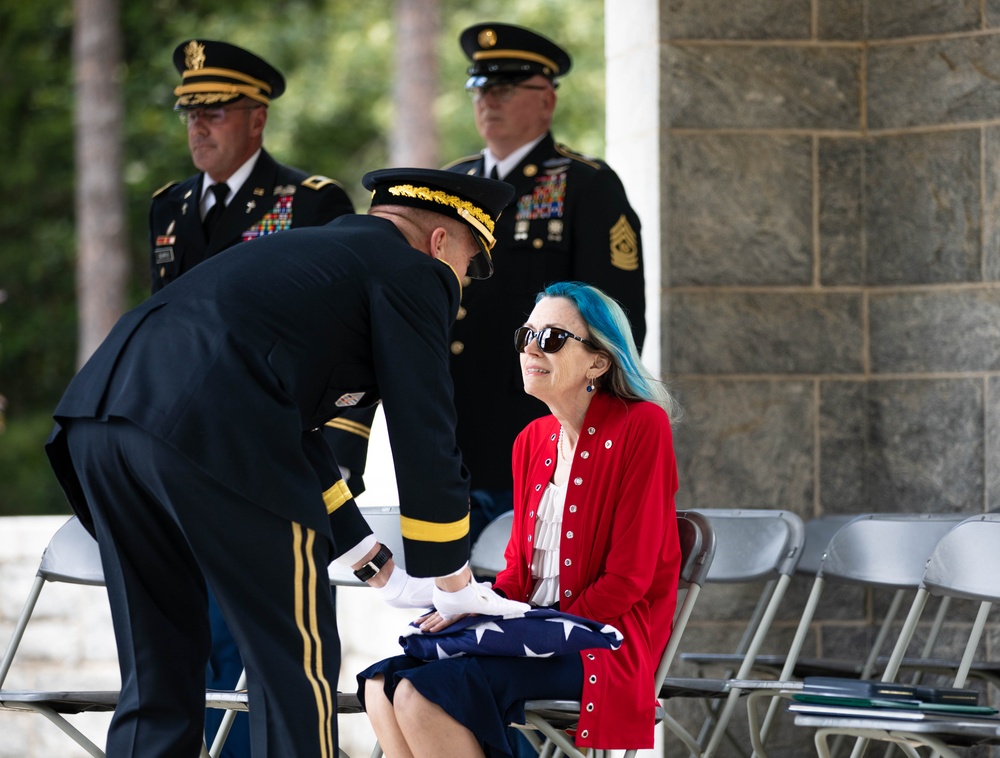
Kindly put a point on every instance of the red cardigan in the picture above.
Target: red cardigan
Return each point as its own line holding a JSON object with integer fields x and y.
{"x": 619, "y": 552}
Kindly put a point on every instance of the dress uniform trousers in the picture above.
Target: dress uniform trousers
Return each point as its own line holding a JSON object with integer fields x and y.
{"x": 154, "y": 511}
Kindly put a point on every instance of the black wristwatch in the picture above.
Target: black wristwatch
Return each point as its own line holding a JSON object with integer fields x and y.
{"x": 375, "y": 565}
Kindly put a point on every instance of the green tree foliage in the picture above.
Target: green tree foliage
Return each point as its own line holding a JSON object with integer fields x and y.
{"x": 333, "y": 119}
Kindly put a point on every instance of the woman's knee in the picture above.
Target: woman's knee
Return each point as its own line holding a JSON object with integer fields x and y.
{"x": 374, "y": 690}
{"x": 410, "y": 706}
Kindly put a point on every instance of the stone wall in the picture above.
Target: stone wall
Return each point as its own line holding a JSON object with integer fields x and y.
{"x": 822, "y": 176}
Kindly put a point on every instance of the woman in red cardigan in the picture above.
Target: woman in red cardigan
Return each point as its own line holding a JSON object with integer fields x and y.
{"x": 594, "y": 535}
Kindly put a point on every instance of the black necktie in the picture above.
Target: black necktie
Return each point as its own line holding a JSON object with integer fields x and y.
{"x": 220, "y": 190}
{"x": 493, "y": 173}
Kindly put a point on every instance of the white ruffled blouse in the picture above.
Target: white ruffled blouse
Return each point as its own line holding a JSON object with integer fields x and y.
{"x": 545, "y": 556}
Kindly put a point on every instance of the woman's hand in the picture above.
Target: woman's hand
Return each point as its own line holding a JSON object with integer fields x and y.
{"x": 435, "y": 622}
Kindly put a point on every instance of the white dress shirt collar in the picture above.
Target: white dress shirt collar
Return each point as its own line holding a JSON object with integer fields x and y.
{"x": 509, "y": 163}
{"x": 234, "y": 182}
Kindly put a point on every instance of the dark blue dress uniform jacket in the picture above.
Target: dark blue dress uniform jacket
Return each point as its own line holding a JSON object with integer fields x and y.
{"x": 273, "y": 197}
{"x": 238, "y": 363}
{"x": 570, "y": 219}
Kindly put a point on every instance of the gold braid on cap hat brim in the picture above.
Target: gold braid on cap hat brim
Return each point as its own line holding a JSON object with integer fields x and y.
{"x": 475, "y": 216}
{"x": 256, "y": 89}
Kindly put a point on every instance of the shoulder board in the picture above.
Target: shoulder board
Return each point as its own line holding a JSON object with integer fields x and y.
{"x": 466, "y": 159}
{"x": 164, "y": 188}
{"x": 592, "y": 162}
{"x": 317, "y": 182}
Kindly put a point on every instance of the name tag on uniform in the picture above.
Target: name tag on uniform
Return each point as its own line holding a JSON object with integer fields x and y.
{"x": 351, "y": 398}
{"x": 164, "y": 254}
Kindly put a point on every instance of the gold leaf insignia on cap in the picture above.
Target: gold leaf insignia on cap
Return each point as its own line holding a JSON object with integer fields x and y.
{"x": 194, "y": 55}
{"x": 487, "y": 38}
{"x": 624, "y": 245}
{"x": 437, "y": 196}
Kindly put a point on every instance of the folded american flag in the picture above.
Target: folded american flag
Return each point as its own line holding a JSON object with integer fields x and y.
{"x": 539, "y": 633}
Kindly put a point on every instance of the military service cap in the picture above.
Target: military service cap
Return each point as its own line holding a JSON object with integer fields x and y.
{"x": 215, "y": 73}
{"x": 475, "y": 200}
{"x": 506, "y": 54}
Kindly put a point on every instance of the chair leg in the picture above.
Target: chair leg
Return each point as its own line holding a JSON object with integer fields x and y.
{"x": 672, "y": 726}
{"x": 75, "y": 734}
{"x": 22, "y": 622}
{"x": 558, "y": 737}
{"x": 227, "y": 722}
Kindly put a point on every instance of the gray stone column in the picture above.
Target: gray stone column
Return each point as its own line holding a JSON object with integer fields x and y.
{"x": 827, "y": 176}
{"x": 831, "y": 251}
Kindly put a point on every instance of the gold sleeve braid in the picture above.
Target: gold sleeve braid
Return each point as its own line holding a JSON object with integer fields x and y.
{"x": 427, "y": 531}
{"x": 336, "y": 496}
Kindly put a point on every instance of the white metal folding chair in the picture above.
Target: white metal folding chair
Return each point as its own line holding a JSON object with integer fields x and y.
{"x": 552, "y": 718}
{"x": 964, "y": 565}
{"x": 819, "y": 532}
{"x": 876, "y": 551}
{"x": 753, "y": 546}
{"x": 72, "y": 557}
{"x": 487, "y": 558}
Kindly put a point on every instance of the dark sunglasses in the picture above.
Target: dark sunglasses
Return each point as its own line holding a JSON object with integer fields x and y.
{"x": 550, "y": 340}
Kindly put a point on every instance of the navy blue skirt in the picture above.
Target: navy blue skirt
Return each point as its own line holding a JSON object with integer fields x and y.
{"x": 483, "y": 693}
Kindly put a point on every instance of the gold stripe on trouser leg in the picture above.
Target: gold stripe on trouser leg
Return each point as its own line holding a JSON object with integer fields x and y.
{"x": 312, "y": 646}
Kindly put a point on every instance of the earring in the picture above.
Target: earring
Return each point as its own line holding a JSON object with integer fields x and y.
{"x": 590, "y": 384}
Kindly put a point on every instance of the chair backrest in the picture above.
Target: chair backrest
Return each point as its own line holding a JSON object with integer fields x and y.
{"x": 963, "y": 564}
{"x": 966, "y": 561}
{"x": 754, "y": 544}
{"x": 384, "y": 521}
{"x": 819, "y": 532}
{"x": 885, "y": 550}
{"x": 487, "y": 552}
{"x": 697, "y": 539}
{"x": 72, "y": 556}
{"x": 698, "y": 544}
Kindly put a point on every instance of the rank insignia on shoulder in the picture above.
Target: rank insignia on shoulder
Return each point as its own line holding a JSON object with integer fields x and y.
{"x": 164, "y": 188}
{"x": 572, "y": 154}
{"x": 317, "y": 182}
{"x": 349, "y": 399}
{"x": 284, "y": 189}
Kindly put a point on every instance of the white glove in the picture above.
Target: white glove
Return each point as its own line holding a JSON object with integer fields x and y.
{"x": 476, "y": 598}
{"x": 405, "y": 591}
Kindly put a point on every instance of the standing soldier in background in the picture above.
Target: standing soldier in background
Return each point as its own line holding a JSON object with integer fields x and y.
{"x": 240, "y": 193}
{"x": 569, "y": 220}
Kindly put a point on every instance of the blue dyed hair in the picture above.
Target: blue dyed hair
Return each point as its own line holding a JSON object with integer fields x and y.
{"x": 610, "y": 330}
